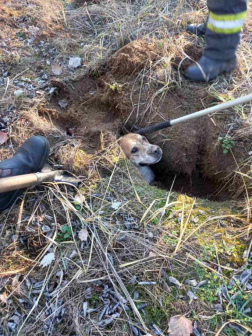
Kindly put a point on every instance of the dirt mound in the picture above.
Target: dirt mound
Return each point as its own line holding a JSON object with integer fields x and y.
{"x": 133, "y": 57}
{"x": 181, "y": 61}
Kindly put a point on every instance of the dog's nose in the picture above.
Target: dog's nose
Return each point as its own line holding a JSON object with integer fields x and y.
{"x": 155, "y": 150}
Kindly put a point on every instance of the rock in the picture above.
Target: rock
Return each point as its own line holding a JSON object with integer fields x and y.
{"x": 150, "y": 235}
{"x": 116, "y": 205}
{"x": 12, "y": 326}
{"x": 41, "y": 82}
{"x": 46, "y": 228}
{"x": 218, "y": 307}
{"x": 44, "y": 77}
{"x": 63, "y": 103}
{"x": 18, "y": 93}
{"x": 74, "y": 62}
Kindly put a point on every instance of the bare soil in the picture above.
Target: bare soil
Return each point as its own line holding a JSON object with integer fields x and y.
{"x": 119, "y": 98}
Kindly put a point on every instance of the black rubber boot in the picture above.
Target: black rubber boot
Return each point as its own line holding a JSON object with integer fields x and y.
{"x": 197, "y": 29}
{"x": 208, "y": 69}
{"x": 29, "y": 158}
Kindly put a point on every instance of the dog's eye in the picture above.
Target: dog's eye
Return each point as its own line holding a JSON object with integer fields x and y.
{"x": 134, "y": 150}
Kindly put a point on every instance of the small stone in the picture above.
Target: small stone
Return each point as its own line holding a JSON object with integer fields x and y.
{"x": 116, "y": 205}
{"x": 12, "y": 326}
{"x": 41, "y": 82}
{"x": 46, "y": 228}
{"x": 18, "y": 93}
{"x": 6, "y": 74}
{"x": 150, "y": 235}
{"x": 63, "y": 103}
{"x": 218, "y": 307}
{"x": 44, "y": 77}
{"x": 21, "y": 84}
{"x": 74, "y": 62}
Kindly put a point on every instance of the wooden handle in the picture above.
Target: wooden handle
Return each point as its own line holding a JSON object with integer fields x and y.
{"x": 27, "y": 180}
{"x": 17, "y": 182}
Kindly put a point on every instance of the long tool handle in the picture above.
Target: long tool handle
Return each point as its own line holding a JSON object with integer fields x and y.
{"x": 201, "y": 113}
{"x": 27, "y": 180}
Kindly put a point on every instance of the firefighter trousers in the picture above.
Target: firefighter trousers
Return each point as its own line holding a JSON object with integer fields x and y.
{"x": 224, "y": 25}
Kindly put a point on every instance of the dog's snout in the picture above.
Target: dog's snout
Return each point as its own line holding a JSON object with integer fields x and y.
{"x": 156, "y": 150}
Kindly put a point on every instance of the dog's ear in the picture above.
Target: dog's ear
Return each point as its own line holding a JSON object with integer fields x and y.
{"x": 122, "y": 132}
{"x": 128, "y": 129}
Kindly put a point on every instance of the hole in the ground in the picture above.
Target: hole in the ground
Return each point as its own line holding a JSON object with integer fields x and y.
{"x": 196, "y": 185}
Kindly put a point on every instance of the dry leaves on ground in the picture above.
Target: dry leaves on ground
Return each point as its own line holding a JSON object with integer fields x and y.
{"x": 56, "y": 69}
{"x": 83, "y": 234}
{"x": 47, "y": 259}
{"x": 3, "y": 137}
{"x": 180, "y": 326}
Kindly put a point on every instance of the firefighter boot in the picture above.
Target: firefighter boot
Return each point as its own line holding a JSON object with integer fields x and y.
{"x": 197, "y": 29}
{"x": 29, "y": 158}
{"x": 206, "y": 69}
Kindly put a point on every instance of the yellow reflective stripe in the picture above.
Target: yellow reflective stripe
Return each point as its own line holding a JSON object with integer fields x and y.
{"x": 226, "y": 31}
{"x": 227, "y": 17}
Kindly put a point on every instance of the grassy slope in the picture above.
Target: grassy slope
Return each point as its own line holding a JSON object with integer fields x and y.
{"x": 165, "y": 234}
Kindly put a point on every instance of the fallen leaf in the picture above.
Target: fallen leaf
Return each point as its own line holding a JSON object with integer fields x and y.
{"x": 48, "y": 258}
{"x": 3, "y": 297}
{"x": 83, "y": 234}
{"x": 3, "y": 137}
{"x": 191, "y": 295}
{"x": 175, "y": 281}
{"x": 180, "y": 326}
{"x": 56, "y": 69}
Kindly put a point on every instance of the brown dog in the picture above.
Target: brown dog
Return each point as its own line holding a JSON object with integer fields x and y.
{"x": 141, "y": 153}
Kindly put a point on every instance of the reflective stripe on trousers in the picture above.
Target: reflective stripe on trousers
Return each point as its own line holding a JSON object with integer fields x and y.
{"x": 226, "y": 23}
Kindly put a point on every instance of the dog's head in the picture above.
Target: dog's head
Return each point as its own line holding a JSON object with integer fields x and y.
{"x": 139, "y": 151}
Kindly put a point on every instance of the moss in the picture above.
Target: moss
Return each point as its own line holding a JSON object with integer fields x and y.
{"x": 155, "y": 315}
{"x": 94, "y": 300}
